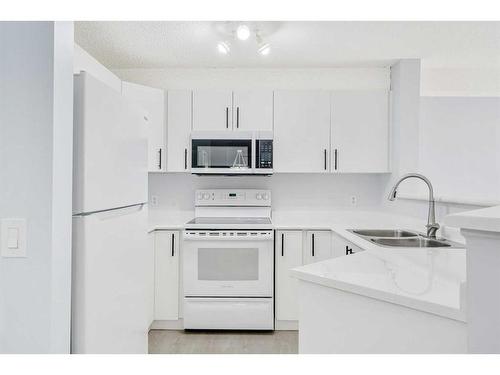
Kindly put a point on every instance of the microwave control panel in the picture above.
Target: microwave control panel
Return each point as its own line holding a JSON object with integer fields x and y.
{"x": 264, "y": 153}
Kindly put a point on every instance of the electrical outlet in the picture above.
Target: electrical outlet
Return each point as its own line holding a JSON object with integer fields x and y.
{"x": 354, "y": 200}
{"x": 154, "y": 200}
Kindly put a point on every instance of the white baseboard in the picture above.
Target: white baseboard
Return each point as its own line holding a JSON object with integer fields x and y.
{"x": 286, "y": 325}
{"x": 280, "y": 325}
{"x": 168, "y": 324}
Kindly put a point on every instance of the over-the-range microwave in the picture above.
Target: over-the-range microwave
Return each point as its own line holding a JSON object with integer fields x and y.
{"x": 232, "y": 153}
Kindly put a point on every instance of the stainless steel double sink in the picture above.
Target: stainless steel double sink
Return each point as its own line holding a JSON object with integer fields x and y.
{"x": 401, "y": 238}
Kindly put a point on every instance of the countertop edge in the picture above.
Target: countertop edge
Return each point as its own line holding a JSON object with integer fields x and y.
{"x": 427, "y": 307}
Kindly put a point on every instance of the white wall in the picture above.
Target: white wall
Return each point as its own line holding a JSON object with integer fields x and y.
{"x": 83, "y": 61}
{"x": 460, "y": 147}
{"x": 175, "y": 192}
{"x": 446, "y": 139}
{"x": 460, "y": 81}
{"x": 36, "y": 89}
{"x": 339, "y": 78}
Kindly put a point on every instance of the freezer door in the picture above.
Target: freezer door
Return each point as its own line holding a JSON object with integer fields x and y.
{"x": 112, "y": 264}
{"x": 110, "y": 148}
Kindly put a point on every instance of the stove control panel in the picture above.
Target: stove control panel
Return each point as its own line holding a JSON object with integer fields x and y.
{"x": 233, "y": 197}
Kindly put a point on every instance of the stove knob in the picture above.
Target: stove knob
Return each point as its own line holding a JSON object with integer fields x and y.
{"x": 265, "y": 197}
{"x": 258, "y": 196}
{"x": 206, "y": 196}
{"x": 200, "y": 196}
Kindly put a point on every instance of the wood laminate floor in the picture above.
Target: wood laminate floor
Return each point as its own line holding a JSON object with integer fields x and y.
{"x": 222, "y": 342}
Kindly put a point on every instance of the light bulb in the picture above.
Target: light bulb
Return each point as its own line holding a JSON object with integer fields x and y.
{"x": 223, "y": 48}
{"x": 243, "y": 32}
{"x": 264, "y": 49}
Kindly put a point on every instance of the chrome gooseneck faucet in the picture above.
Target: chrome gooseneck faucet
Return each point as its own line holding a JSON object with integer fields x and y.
{"x": 431, "y": 226}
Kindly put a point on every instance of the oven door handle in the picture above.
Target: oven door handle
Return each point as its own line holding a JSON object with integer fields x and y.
{"x": 268, "y": 236}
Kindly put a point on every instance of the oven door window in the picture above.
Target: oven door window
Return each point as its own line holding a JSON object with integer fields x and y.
{"x": 228, "y": 264}
{"x": 222, "y": 153}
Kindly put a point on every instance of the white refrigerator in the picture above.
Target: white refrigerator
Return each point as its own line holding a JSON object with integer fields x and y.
{"x": 111, "y": 279}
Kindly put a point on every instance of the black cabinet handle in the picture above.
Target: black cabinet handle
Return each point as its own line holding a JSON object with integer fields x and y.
{"x": 237, "y": 117}
{"x": 185, "y": 158}
{"x": 282, "y": 244}
{"x": 227, "y": 117}
{"x": 347, "y": 250}
{"x": 312, "y": 244}
{"x": 159, "y": 158}
{"x": 335, "y": 159}
{"x": 173, "y": 242}
{"x": 325, "y": 159}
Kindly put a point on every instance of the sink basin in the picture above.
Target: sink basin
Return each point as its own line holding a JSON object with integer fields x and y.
{"x": 385, "y": 233}
{"x": 410, "y": 242}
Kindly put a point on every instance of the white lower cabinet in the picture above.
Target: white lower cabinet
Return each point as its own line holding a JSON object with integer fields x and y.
{"x": 295, "y": 248}
{"x": 342, "y": 247}
{"x": 166, "y": 245}
{"x": 318, "y": 246}
{"x": 288, "y": 255}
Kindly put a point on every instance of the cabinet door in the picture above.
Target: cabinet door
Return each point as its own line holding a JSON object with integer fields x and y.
{"x": 179, "y": 130}
{"x": 253, "y": 110}
{"x": 360, "y": 131}
{"x": 212, "y": 110}
{"x": 301, "y": 131}
{"x": 318, "y": 246}
{"x": 288, "y": 255}
{"x": 342, "y": 247}
{"x": 151, "y": 276}
{"x": 152, "y": 101}
{"x": 166, "y": 275}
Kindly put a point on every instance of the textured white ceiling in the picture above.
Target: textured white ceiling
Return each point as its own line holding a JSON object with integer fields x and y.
{"x": 294, "y": 44}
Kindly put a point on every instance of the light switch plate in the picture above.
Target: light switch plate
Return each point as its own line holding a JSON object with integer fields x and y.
{"x": 13, "y": 238}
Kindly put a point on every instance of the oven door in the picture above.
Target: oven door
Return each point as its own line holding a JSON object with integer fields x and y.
{"x": 221, "y": 156}
{"x": 228, "y": 263}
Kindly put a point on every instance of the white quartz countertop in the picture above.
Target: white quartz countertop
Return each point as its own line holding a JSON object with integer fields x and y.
{"x": 430, "y": 280}
{"x": 487, "y": 219}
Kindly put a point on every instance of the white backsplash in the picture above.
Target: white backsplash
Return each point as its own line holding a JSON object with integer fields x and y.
{"x": 175, "y": 191}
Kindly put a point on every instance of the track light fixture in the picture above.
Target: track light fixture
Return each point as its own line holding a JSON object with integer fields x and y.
{"x": 243, "y": 32}
{"x": 223, "y": 48}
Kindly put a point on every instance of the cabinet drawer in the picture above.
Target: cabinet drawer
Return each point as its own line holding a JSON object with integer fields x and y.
{"x": 228, "y": 313}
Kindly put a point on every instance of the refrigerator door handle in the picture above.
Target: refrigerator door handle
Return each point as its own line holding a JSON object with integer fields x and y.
{"x": 113, "y": 212}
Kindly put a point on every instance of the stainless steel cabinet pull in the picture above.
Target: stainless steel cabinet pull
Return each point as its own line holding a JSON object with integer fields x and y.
{"x": 227, "y": 117}
{"x": 335, "y": 159}
{"x": 282, "y": 244}
{"x": 173, "y": 242}
{"x": 159, "y": 159}
{"x": 237, "y": 117}
{"x": 313, "y": 244}
{"x": 325, "y": 159}
{"x": 185, "y": 158}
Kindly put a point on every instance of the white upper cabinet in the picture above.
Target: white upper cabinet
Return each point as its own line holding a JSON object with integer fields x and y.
{"x": 152, "y": 101}
{"x": 360, "y": 131}
{"x": 179, "y": 130}
{"x": 253, "y": 110}
{"x": 212, "y": 110}
{"x": 301, "y": 131}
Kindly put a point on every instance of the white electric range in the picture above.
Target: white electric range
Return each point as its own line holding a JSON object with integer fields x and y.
{"x": 228, "y": 264}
